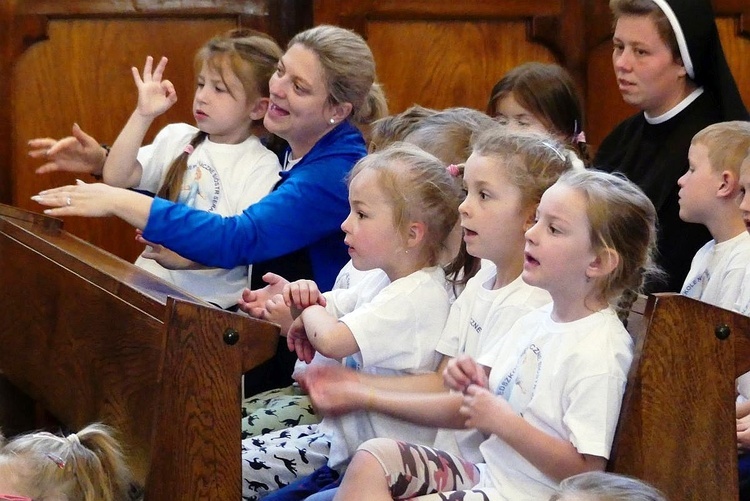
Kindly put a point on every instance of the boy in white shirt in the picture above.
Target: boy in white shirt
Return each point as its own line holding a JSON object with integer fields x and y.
{"x": 708, "y": 196}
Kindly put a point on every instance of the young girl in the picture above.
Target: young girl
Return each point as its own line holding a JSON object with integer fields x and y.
{"x": 392, "y": 329}
{"x": 557, "y": 376}
{"x": 601, "y": 486}
{"x": 83, "y": 466}
{"x": 447, "y": 135}
{"x": 218, "y": 166}
{"x": 541, "y": 97}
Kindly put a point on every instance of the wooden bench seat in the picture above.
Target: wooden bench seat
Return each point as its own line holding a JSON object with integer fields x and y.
{"x": 90, "y": 337}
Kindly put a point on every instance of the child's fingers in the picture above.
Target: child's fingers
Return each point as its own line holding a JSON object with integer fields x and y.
{"x": 159, "y": 71}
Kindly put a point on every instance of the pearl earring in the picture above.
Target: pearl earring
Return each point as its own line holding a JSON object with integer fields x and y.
{"x": 332, "y": 121}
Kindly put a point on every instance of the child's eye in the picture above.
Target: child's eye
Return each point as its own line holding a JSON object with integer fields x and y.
{"x": 553, "y": 230}
{"x": 361, "y": 215}
{"x": 279, "y": 70}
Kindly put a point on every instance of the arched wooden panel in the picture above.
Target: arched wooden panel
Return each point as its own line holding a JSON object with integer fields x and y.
{"x": 447, "y": 63}
{"x": 737, "y": 49}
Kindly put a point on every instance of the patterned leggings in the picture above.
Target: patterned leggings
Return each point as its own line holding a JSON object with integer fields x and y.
{"x": 424, "y": 473}
{"x": 274, "y": 460}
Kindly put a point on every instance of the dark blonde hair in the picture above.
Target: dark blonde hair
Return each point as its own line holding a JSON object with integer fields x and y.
{"x": 532, "y": 161}
{"x": 392, "y": 128}
{"x": 727, "y": 143}
{"x": 252, "y": 57}
{"x": 623, "y": 220}
{"x": 550, "y": 94}
{"x": 349, "y": 69}
{"x": 648, "y": 8}
{"x": 83, "y": 466}
{"x": 447, "y": 134}
{"x": 601, "y": 486}
{"x": 419, "y": 188}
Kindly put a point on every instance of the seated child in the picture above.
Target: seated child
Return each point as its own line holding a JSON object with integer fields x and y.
{"x": 393, "y": 331}
{"x": 708, "y": 196}
{"x": 83, "y": 466}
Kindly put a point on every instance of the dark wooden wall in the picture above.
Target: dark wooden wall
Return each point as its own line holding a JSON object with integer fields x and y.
{"x": 65, "y": 60}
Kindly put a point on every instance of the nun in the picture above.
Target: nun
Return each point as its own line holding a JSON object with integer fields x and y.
{"x": 669, "y": 63}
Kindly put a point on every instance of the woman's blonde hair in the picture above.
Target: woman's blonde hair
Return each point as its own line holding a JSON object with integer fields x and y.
{"x": 349, "y": 69}
{"x": 252, "y": 57}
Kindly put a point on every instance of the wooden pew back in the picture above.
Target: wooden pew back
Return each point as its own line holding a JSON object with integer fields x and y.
{"x": 93, "y": 338}
{"x": 676, "y": 428}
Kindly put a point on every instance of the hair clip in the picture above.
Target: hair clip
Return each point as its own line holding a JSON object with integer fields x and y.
{"x": 189, "y": 149}
{"x": 453, "y": 170}
{"x": 60, "y": 462}
{"x": 580, "y": 137}
{"x": 552, "y": 147}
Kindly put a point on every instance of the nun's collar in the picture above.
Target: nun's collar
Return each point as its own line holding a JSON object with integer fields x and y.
{"x": 676, "y": 110}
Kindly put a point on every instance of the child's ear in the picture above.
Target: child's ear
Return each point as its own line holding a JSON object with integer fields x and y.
{"x": 415, "y": 234}
{"x": 729, "y": 185}
{"x": 258, "y": 111}
{"x": 605, "y": 262}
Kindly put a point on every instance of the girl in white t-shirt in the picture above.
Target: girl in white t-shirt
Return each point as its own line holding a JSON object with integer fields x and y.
{"x": 403, "y": 205}
{"x": 552, "y": 399}
{"x": 218, "y": 166}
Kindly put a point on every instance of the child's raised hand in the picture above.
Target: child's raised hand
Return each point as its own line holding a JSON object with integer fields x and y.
{"x": 253, "y": 302}
{"x": 462, "y": 371}
{"x": 275, "y": 310}
{"x": 296, "y": 341}
{"x": 155, "y": 96}
{"x": 483, "y": 410}
{"x": 301, "y": 294}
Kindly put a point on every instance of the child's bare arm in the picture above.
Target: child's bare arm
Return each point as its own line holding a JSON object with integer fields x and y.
{"x": 553, "y": 456}
{"x": 326, "y": 334}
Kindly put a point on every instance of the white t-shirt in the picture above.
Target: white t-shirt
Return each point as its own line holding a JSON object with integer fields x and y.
{"x": 718, "y": 272}
{"x": 396, "y": 333}
{"x": 221, "y": 178}
{"x": 351, "y": 289}
{"x": 477, "y": 321}
{"x": 566, "y": 379}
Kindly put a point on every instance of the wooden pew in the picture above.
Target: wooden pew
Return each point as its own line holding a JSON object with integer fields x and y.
{"x": 91, "y": 337}
{"x": 677, "y": 423}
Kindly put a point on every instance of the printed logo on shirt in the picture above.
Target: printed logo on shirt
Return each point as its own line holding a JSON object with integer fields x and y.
{"x": 519, "y": 385}
{"x": 694, "y": 289}
{"x": 201, "y": 187}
